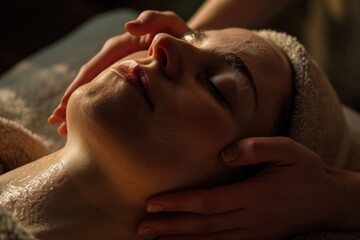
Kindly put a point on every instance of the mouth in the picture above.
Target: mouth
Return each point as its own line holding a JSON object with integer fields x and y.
{"x": 135, "y": 75}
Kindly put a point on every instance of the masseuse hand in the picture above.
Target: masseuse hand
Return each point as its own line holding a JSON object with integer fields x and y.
{"x": 291, "y": 195}
{"x": 139, "y": 37}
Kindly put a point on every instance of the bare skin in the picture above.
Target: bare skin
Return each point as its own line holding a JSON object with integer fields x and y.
{"x": 106, "y": 172}
{"x": 150, "y": 22}
{"x": 62, "y": 197}
{"x": 275, "y": 204}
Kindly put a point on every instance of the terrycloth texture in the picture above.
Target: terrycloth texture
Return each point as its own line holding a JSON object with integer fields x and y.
{"x": 30, "y": 91}
{"x": 18, "y": 146}
{"x": 317, "y": 119}
{"x": 353, "y": 120}
{"x": 10, "y": 230}
{"x": 33, "y": 88}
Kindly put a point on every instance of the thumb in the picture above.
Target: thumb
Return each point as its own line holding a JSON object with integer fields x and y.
{"x": 154, "y": 22}
{"x": 249, "y": 151}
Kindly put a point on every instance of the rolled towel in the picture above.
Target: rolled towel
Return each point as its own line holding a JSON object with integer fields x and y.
{"x": 317, "y": 119}
{"x": 10, "y": 229}
{"x": 18, "y": 145}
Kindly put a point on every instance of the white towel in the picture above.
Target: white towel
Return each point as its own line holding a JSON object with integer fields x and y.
{"x": 52, "y": 68}
{"x": 18, "y": 146}
{"x": 317, "y": 119}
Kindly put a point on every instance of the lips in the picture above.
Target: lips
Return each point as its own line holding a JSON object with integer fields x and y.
{"x": 134, "y": 74}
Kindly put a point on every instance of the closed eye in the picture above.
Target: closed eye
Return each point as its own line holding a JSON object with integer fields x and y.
{"x": 219, "y": 96}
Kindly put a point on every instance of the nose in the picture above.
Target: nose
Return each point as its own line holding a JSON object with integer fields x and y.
{"x": 166, "y": 49}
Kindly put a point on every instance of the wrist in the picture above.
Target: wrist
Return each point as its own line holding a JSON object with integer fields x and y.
{"x": 344, "y": 198}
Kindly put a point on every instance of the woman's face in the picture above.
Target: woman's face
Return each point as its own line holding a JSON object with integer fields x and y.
{"x": 174, "y": 107}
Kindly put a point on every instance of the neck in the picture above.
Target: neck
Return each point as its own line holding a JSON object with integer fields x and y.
{"x": 65, "y": 196}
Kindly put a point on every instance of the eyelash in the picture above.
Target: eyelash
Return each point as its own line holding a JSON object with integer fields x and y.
{"x": 215, "y": 91}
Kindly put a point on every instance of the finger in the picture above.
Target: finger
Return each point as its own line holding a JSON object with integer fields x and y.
{"x": 189, "y": 223}
{"x": 62, "y": 129}
{"x": 58, "y": 115}
{"x": 236, "y": 234}
{"x": 277, "y": 150}
{"x": 114, "y": 49}
{"x": 206, "y": 201}
{"x": 154, "y": 22}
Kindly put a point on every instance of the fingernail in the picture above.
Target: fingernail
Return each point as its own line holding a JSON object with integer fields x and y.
{"x": 146, "y": 231}
{"x": 152, "y": 208}
{"x": 136, "y": 21}
{"x": 230, "y": 154}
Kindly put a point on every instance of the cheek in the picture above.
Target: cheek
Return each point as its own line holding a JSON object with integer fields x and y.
{"x": 194, "y": 125}
{"x": 112, "y": 107}
{"x": 188, "y": 134}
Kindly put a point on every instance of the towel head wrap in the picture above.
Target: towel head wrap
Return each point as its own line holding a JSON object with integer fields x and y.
{"x": 317, "y": 119}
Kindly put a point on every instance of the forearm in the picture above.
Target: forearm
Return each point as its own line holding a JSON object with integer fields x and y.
{"x": 215, "y": 14}
{"x": 347, "y": 200}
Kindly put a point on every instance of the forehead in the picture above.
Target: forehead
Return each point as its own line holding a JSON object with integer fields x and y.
{"x": 240, "y": 41}
{"x": 262, "y": 57}
{"x": 231, "y": 36}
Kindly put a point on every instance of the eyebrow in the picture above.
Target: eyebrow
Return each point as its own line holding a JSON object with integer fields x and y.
{"x": 232, "y": 60}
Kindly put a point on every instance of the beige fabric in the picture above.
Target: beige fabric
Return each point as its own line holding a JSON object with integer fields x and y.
{"x": 31, "y": 89}
{"x": 353, "y": 120}
{"x": 329, "y": 29}
{"x": 18, "y": 146}
{"x": 317, "y": 119}
{"x": 11, "y": 230}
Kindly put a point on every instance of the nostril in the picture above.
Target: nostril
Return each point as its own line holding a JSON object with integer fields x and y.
{"x": 166, "y": 54}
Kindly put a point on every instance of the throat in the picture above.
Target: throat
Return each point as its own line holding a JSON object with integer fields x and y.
{"x": 53, "y": 198}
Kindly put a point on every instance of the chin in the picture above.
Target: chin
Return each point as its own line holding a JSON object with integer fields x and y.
{"x": 104, "y": 110}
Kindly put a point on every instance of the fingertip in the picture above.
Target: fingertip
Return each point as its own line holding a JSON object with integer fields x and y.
{"x": 57, "y": 116}
{"x": 62, "y": 129}
{"x": 155, "y": 207}
{"x": 132, "y": 25}
{"x": 52, "y": 120}
{"x": 170, "y": 202}
{"x": 144, "y": 230}
{"x": 230, "y": 155}
{"x": 60, "y": 112}
{"x": 135, "y": 22}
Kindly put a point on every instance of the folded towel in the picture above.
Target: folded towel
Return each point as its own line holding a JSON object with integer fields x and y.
{"x": 54, "y": 68}
{"x": 317, "y": 119}
{"x": 353, "y": 121}
{"x": 18, "y": 145}
{"x": 11, "y": 230}
{"x": 33, "y": 88}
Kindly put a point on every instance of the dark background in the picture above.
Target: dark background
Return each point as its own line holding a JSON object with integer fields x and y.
{"x": 27, "y": 26}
